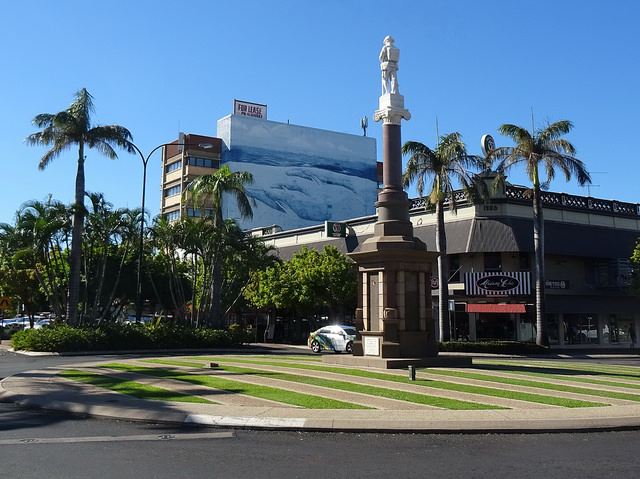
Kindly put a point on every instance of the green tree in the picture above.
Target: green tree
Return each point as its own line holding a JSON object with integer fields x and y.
{"x": 61, "y": 131}
{"x": 41, "y": 237}
{"x": 540, "y": 152}
{"x": 635, "y": 266}
{"x": 175, "y": 245}
{"x": 310, "y": 281}
{"x": 447, "y": 166}
{"x": 107, "y": 231}
{"x": 244, "y": 254}
{"x": 209, "y": 190}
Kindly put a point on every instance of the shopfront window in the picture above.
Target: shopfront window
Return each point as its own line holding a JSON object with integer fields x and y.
{"x": 581, "y": 329}
{"x": 552, "y": 328}
{"x": 624, "y": 325}
{"x": 492, "y": 262}
{"x": 492, "y": 327}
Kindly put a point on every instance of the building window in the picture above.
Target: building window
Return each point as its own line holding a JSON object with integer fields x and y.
{"x": 196, "y": 212}
{"x": 454, "y": 268}
{"x": 173, "y": 215}
{"x": 493, "y": 262}
{"x": 204, "y": 162}
{"x": 524, "y": 262}
{"x": 174, "y": 166}
{"x": 172, "y": 191}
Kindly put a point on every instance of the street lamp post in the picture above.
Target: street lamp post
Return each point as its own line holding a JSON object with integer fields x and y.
{"x": 145, "y": 160}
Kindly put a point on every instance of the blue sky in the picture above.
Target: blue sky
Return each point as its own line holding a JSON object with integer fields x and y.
{"x": 160, "y": 67}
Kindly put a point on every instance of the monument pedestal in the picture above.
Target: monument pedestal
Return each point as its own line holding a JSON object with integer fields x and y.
{"x": 394, "y": 317}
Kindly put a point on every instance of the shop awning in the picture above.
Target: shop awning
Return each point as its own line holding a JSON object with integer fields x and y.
{"x": 495, "y": 308}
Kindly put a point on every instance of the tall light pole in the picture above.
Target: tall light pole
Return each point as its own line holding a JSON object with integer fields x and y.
{"x": 145, "y": 160}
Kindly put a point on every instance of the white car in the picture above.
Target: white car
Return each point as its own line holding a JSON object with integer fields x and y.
{"x": 334, "y": 338}
{"x": 41, "y": 322}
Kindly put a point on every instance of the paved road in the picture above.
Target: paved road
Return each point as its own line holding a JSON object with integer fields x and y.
{"x": 43, "y": 388}
{"x": 36, "y": 444}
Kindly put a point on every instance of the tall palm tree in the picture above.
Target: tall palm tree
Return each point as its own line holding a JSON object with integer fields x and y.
{"x": 61, "y": 131}
{"x": 448, "y": 164}
{"x": 544, "y": 149}
{"x": 211, "y": 189}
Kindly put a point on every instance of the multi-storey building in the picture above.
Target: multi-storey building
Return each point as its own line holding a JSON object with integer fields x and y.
{"x": 588, "y": 243}
{"x": 183, "y": 161}
{"x": 303, "y": 176}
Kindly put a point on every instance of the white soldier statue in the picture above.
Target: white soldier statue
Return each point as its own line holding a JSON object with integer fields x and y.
{"x": 389, "y": 57}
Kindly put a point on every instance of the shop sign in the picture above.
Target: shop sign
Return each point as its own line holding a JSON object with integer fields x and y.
{"x": 488, "y": 144}
{"x": 497, "y": 283}
{"x": 556, "y": 283}
{"x": 335, "y": 230}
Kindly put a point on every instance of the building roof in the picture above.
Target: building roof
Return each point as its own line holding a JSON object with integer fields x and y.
{"x": 479, "y": 235}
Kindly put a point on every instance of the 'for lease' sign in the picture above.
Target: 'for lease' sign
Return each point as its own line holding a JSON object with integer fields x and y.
{"x": 254, "y": 110}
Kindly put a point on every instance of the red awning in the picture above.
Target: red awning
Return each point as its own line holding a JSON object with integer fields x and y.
{"x": 495, "y": 308}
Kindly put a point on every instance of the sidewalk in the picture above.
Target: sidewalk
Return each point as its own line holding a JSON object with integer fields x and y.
{"x": 43, "y": 389}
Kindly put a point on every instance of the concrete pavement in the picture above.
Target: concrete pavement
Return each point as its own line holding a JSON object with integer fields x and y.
{"x": 44, "y": 389}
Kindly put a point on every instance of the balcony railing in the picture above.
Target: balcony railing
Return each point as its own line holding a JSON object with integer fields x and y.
{"x": 522, "y": 195}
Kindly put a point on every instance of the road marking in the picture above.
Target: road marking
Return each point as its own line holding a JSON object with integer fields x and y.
{"x": 146, "y": 437}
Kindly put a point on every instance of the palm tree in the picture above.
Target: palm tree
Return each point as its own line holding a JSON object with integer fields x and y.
{"x": 61, "y": 131}
{"x": 210, "y": 189}
{"x": 43, "y": 229}
{"x": 448, "y": 163}
{"x": 544, "y": 149}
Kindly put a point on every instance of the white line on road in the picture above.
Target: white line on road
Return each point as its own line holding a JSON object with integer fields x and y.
{"x": 145, "y": 437}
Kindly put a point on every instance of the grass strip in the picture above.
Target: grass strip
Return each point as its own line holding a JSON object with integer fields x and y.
{"x": 303, "y": 358}
{"x": 131, "y": 388}
{"x": 264, "y": 392}
{"x": 448, "y": 386}
{"x": 617, "y": 371}
{"x": 445, "y": 403}
{"x": 536, "y": 384}
{"x": 535, "y": 372}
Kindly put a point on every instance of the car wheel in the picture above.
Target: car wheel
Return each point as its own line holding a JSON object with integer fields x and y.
{"x": 349, "y": 348}
{"x": 315, "y": 347}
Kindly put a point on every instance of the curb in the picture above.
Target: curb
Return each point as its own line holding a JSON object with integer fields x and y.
{"x": 41, "y": 389}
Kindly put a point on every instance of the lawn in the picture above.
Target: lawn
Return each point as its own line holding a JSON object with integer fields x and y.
{"x": 274, "y": 378}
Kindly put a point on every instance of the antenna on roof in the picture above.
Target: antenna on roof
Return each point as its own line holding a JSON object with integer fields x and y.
{"x": 588, "y": 186}
{"x": 180, "y": 141}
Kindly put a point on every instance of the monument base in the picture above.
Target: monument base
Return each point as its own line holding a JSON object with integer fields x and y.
{"x": 377, "y": 362}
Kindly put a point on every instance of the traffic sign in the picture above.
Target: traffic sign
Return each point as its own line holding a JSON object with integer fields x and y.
{"x": 5, "y": 302}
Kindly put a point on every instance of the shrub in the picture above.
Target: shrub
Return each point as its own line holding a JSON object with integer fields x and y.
{"x": 119, "y": 337}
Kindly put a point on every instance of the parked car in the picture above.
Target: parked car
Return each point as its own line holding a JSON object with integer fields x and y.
{"x": 42, "y": 322}
{"x": 334, "y": 338}
{"x": 17, "y": 324}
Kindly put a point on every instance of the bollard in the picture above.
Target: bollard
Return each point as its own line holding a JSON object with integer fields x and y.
{"x": 412, "y": 373}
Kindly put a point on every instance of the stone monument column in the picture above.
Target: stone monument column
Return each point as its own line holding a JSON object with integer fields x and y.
{"x": 394, "y": 316}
